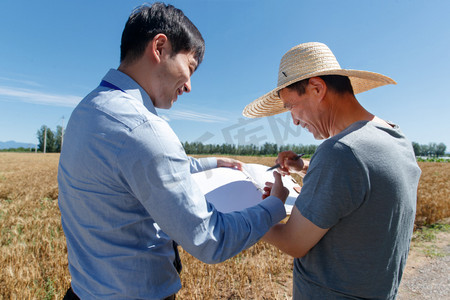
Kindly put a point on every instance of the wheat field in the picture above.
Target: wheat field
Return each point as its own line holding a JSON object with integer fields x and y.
{"x": 33, "y": 254}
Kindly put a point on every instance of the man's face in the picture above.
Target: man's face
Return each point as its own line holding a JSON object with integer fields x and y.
{"x": 174, "y": 78}
{"x": 305, "y": 111}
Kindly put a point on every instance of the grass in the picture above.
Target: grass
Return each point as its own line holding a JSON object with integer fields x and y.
{"x": 425, "y": 238}
{"x": 33, "y": 254}
{"x": 428, "y": 233}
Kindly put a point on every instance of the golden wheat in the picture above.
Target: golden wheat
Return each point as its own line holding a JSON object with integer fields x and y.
{"x": 433, "y": 194}
{"x": 33, "y": 254}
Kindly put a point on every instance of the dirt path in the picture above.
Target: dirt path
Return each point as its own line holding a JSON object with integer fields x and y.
{"x": 426, "y": 275}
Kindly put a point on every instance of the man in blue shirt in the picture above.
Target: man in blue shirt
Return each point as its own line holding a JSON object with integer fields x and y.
{"x": 125, "y": 189}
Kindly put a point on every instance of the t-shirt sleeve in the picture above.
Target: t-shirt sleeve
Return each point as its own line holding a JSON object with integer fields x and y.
{"x": 334, "y": 186}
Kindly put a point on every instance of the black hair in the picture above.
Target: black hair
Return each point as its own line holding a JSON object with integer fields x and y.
{"x": 339, "y": 84}
{"x": 146, "y": 21}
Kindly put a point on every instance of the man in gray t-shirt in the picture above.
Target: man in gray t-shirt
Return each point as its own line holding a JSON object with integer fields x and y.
{"x": 361, "y": 184}
{"x": 351, "y": 226}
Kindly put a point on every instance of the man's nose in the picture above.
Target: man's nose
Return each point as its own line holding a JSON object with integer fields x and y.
{"x": 187, "y": 86}
{"x": 296, "y": 122}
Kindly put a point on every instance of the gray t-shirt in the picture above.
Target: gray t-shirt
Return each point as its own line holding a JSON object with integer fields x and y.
{"x": 362, "y": 184}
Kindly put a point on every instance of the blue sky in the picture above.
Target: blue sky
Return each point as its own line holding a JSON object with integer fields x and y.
{"x": 53, "y": 53}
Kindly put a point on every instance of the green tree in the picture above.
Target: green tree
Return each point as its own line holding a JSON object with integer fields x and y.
{"x": 46, "y": 135}
{"x": 417, "y": 149}
{"x": 432, "y": 149}
{"x": 59, "y": 138}
{"x": 440, "y": 149}
{"x": 424, "y": 150}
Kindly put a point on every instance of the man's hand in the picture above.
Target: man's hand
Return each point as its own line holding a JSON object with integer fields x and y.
{"x": 288, "y": 165}
{"x": 276, "y": 189}
{"x": 229, "y": 163}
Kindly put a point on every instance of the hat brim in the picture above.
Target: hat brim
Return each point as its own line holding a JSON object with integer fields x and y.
{"x": 270, "y": 104}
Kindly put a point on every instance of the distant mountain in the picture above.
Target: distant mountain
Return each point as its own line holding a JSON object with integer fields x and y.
{"x": 14, "y": 144}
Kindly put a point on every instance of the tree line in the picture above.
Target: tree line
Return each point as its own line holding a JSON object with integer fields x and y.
{"x": 430, "y": 150}
{"x": 53, "y": 143}
{"x": 54, "y": 139}
{"x": 267, "y": 149}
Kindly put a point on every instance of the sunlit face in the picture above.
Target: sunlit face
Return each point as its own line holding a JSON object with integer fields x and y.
{"x": 305, "y": 111}
{"x": 174, "y": 78}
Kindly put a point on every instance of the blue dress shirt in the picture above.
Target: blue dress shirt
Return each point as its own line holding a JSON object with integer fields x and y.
{"x": 126, "y": 193}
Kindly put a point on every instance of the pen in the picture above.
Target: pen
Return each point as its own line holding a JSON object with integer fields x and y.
{"x": 278, "y": 165}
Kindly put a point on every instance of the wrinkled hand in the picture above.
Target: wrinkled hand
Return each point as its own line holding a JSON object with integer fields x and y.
{"x": 288, "y": 165}
{"x": 229, "y": 163}
{"x": 276, "y": 189}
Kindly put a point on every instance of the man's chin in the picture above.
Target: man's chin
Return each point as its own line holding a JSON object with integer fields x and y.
{"x": 320, "y": 137}
{"x": 164, "y": 105}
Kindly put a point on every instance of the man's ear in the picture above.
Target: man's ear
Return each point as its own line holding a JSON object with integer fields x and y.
{"x": 158, "y": 47}
{"x": 318, "y": 87}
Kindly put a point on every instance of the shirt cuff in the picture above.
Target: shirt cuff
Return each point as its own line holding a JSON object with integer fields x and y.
{"x": 275, "y": 207}
{"x": 208, "y": 163}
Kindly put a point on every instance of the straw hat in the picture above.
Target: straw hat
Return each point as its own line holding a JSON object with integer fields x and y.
{"x": 306, "y": 61}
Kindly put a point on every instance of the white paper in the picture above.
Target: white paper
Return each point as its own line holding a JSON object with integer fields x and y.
{"x": 233, "y": 190}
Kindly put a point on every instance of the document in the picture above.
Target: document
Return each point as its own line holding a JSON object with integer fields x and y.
{"x": 233, "y": 190}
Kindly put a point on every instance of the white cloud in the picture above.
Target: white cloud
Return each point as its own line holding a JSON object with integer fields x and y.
{"x": 164, "y": 117}
{"x": 191, "y": 116}
{"x": 21, "y": 81}
{"x": 32, "y": 96}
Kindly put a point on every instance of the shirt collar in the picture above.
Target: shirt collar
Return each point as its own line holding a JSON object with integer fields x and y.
{"x": 131, "y": 87}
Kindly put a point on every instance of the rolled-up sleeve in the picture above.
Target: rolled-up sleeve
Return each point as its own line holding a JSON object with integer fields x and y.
{"x": 158, "y": 174}
{"x": 202, "y": 164}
